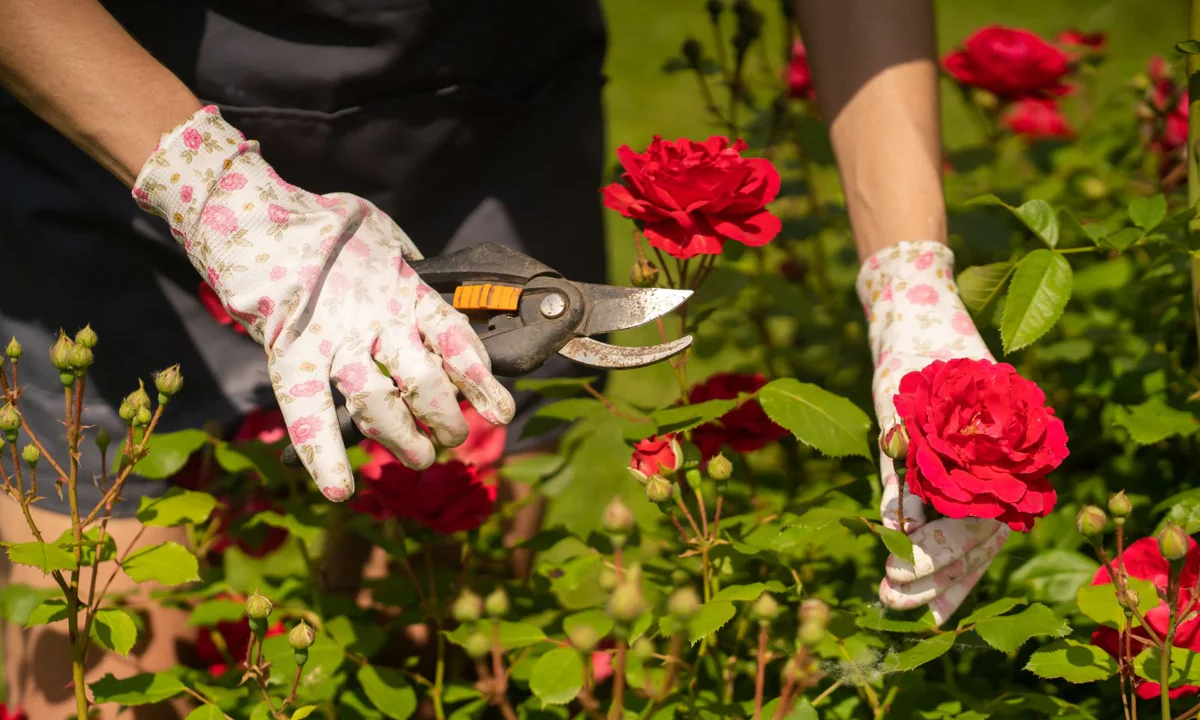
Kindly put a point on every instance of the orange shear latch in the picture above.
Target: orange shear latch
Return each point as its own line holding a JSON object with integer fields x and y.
{"x": 498, "y": 298}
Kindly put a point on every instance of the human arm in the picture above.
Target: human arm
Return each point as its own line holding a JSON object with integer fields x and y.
{"x": 74, "y": 66}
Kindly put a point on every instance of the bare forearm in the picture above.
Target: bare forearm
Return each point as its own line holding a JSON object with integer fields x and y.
{"x": 71, "y": 63}
{"x": 874, "y": 67}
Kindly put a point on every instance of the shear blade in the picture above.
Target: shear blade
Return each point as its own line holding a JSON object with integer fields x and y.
{"x": 594, "y": 353}
{"x": 620, "y": 308}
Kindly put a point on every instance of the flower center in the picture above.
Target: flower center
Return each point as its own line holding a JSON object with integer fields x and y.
{"x": 975, "y": 426}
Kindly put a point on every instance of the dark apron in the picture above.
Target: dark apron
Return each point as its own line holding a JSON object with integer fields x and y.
{"x": 465, "y": 121}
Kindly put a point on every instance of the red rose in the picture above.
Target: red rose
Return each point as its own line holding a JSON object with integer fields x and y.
{"x": 235, "y": 636}
{"x": 1078, "y": 38}
{"x": 655, "y": 454}
{"x": 255, "y": 541}
{"x": 15, "y": 714}
{"x": 689, "y": 197}
{"x": 1009, "y": 62}
{"x": 1172, "y": 133}
{"x": 485, "y": 442}
{"x": 745, "y": 428}
{"x": 1037, "y": 118}
{"x": 1143, "y": 560}
{"x": 210, "y": 301}
{"x": 981, "y": 441}
{"x": 799, "y": 76}
{"x": 266, "y": 426}
{"x": 446, "y": 498}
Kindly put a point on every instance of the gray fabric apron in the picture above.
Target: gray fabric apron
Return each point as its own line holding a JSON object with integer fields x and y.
{"x": 466, "y": 121}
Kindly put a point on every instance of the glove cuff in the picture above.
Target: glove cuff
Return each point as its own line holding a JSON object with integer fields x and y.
{"x": 908, "y": 261}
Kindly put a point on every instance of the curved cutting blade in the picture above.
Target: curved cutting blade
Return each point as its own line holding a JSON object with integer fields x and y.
{"x": 594, "y": 353}
{"x": 620, "y": 308}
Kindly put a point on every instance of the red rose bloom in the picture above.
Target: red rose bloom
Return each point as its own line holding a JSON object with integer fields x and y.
{"x": 1171, "y": 134}
{"x": 1009, "y": 62}
{"x": 210, "y": 301}
{"x": 981, "y": 441}
{"x": 236, "y": 638}
{"x": 745, "y": 428}
{"x": 799, "y": 74}
{"x": 1037, "y": 118}
{"x": 446, "y": 498}
{"x": 266, "y": 426}
{"x": 1143, "y": 560}
{"x": 15, "y": 714}
{"x": 256, "y": 541}
{"x": 485, "y": 442}
{"x": 689, "y": 197}
{"x": 1080, "y": 39}
{"x": 652, "y": 455}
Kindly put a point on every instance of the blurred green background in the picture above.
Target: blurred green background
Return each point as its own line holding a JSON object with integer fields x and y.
{"x": 643, "y": 100}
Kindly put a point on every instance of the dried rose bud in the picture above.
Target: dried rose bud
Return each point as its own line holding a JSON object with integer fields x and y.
{"x": 617, "y": 518}
{"x": 893, "y": 441}
{"x": 14, "y": 350}
{"x": 719, "y": 468}
{"x": 1091, "y": 521}
{"x": 765, "y": 608}
{"x": 168, "y": 383}
{"x": 60, "y": 353}
{"x": 468, "y": 607}
{"x": 1119, "y": 506}
{"x": 1173, "y": 542}
{"x": 659, "y": 489}
{"x": 496, "y": 605}
{"x": 87, "y": 337}
{"x": 684, "y": 603}
{"x": 258, "y": 606}
{"x": 583, "y": 637}
{"x": 30, "y": 454}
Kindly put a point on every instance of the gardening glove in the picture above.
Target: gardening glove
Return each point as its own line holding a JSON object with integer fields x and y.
{"x": 914, "y": 317}
{"x": 323, "y": 283}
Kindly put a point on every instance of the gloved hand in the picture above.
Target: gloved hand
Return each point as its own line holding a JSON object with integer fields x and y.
{"x": 323, "y": 283}
{"x": 914, "y": 317}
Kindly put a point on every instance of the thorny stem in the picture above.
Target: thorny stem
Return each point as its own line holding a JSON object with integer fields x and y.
{"x": 761, "y": 670}
{"x": 611, "y": 406}
{"x": 78, "y": 643}
{"x": 1112, "y": 573}
{"x": 827, "y": 692}
{"x": 688, "y": 514}
{"x": 785, "y": 697}
{"x": 119, "y": 484}
{"x": 435, "y": 609}
{"x": 1164, "y": 661}
{"x": 617, "y": 711}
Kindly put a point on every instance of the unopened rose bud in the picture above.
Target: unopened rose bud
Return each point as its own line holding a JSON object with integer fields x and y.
{"x": 583, "y": 637}
{"x": 102, "y": 439}
{"x": 617, "y": 518}
{"x": 642, "y": 648}
{"x": 810, "y": 634}
{"x": 87, "y": 338}
{"x": 81, "y": 358}
{"x": 60, "y": 353}
{"x": 608, "y": 578}
{"x": 139, "y": 398}
{"x": 496, "y": 605}
{"x": 1091, "y": 521}
{"x": 1119, "y": 506}
{"x": 142, "y": 419}
{"x": 765, "y": 608}
{"x": 1093, "y": 187}
{"x": 258, "y": 606}
{"x": 714, "y": 8}
{"x": 1128, "y": 598}
{"x": 126, "y": 412}
{"x": 301, "y": 637}
{"x": 684, "y": 603}
{"x": 30, "y": 454}
{"x": 13, "y": 350}
{"x": 1173, "y": 542}
{"x": 1141, "y": 81}
{"x": 643, "y": 274}
{"x": 719, "y": 468}
{"x": 477, "y": 646}
{"x": 627, "y": 604}
{"x": 893, "y": 441}
{"x": 10, "y": 421}
{"x": 814, "y": 610}
{"x": 984, "y": 99}
{"x": 659, "y": 489}
{"x": 168, "y": 383}
{"x": 691, "y": 51}
{"x": 468, "y": 607}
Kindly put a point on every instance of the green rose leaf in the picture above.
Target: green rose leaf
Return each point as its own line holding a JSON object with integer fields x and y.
{"x": 1123, "y": 238}
{"x": 232, "y": 461}
{"x": 991, "y": 610}
{"x": 51, "y": 610}
{"x": 168, "y": 453}
{"x": 306, "y": 532}
{"x": 979, "y": 286}
{"x": 1154, "y": 421}
{"x": 711, "y": 618}
{"x": 176, "y": 507}
{"x": 1188, "y": 47}
{"x": 897, "y": 543}
{"x": 818, "y": 418}
{"x": 1099, "y": 602}
{"x": 115, "y": 630}
{"x": 168, "y": 564}
{"x": 1039, "y": 217}
{"x": 921, "y": 653}
{"x": 140, "y": 689}
{"x": 211, "y": 612}
{"x": 206, "y": 712}
{"x": 686, "y": 417}
{"x": 1008, "y": 632}
{"x": 557, "y": 677}
{"x": 555, "y": 387}
{"x": 1148, "y": 212}
{"x": 513, "y": 635}
{"x": 597, "y": 620}
{"x": 1037, "y": 296}
{"x": 43, "y": 556}
{"x": 1072, "y": 661}
{"x": 1186, "y": 514}
{"x": 303, "y": 712}
{"x": 388, "y": 691}
{"x": 1185, "y": 666}
{"x": 740, "y": 592}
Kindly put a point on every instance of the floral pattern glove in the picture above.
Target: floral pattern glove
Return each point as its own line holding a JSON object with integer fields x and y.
{"x": 323, "y": 283}
{"x": 915, "y": 316}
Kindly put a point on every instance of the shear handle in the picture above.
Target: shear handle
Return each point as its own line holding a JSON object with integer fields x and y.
{"x": 486, "y": 262}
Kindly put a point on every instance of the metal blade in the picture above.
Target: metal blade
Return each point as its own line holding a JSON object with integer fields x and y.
{"x": 594, "y": 353}
{"x": 620, "y": 308}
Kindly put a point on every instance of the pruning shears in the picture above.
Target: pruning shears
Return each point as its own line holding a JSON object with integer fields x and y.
{"x": 532, "y": 312}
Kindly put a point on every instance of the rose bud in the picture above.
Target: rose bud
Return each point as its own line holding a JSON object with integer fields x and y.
{"x": 1129, "y": 598}
{"x": 468, "y": 607}
{"x": 893, "y": 441}
{"x": 659, "y": 489}
{"x": 684, "y": 603}
{"x": 30, "y": 454}
{"x": 14, "y": 350}
{"x": 301, "y": 637}
{"x": 1093, "y": 188}
{"x": 627, "y": 604}
{"x": 1091, "y": 521}
{"x": 583, "y": 637}
{"x": 168, "y": 383}
{"x": 644, "y": 273}
{"x": 102, "y": 439}
{"x": 258, "y": 606}
{"x": 81, "y": 358}
{"x": 60, "y": 353}
{"x": 719, "y": 468}
{"x": 477, "y": 646}
{"x": 642, "y": 648}
{"x": 1119, "y": 506}
{"x": 1173, "y": 542}
{"x": 496, "y": 605}
{"x": 87, "y": 337}
{"x": 691, "y": 51}
{"x": 714, "y": 8}
{"x": 126, "y": 412}
{"x": 608, "y": 578}
{"x": 984, "y": 99}
{"x": 815, "y": 611}
{"x": 617, "y": 518}
{"x": 139, "y": 398}
{"x": 10, "y": 420}
{"x": 142, "y": 419}
{"x": 765, "y": 609}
